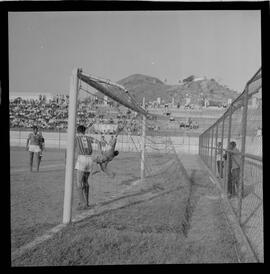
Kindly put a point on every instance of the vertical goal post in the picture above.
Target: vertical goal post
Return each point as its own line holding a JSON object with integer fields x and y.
{"x": 122, "y": 97}
{"x": 69, "y": 172}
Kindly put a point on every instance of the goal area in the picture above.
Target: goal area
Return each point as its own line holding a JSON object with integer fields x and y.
{"x": 150, "y": 147}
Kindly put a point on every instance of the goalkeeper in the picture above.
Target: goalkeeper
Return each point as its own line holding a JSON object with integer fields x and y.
{"x": 104, "y": 157}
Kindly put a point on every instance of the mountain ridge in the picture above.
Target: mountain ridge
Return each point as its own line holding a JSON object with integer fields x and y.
{"x": 140, "y": 85}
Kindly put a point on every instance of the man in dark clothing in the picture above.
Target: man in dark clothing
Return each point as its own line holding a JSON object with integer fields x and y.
{"x": 234, "y": 170}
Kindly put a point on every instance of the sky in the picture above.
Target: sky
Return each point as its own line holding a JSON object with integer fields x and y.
{"x": 44, "y": 47}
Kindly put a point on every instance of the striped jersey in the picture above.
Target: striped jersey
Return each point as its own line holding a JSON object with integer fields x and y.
{"x": 84, "y": 144}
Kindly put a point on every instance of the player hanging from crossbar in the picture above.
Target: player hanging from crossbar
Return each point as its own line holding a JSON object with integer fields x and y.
{"x": 104, "y": 157}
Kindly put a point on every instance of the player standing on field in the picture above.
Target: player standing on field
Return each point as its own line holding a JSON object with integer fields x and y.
{"x": 33, "y": 145}
{"x": 83, "y": 165}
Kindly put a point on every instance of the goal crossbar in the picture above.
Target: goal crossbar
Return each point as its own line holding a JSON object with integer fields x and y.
{"x": 96, "y": 83}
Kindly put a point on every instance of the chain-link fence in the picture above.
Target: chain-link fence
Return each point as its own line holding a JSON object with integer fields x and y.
{"x": 232, "y": 149}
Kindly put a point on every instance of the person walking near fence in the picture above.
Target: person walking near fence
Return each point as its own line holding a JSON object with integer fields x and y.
{"x": 220, "y": 161}
{"x": 234, "y": 170}
{"x": 33, "y": 146}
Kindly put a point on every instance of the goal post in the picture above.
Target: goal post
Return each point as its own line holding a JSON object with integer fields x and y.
{"x": 69, "y": 173}
{"x": 122, "y": 97}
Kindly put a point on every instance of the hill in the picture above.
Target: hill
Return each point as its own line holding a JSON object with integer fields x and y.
{"x": 151, "y": 88}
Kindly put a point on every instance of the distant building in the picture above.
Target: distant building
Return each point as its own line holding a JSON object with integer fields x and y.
{"x": 159, "y": 100}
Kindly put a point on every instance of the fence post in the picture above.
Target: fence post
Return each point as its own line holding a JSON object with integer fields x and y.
{"x": 212, "y": 141}
{"x": 208, "y": 146}
{"x": 222, "y": 153}
{"x": 227, "y": 175}
{"x": 203, "y": 146}
{"x": 243, "y": 147}
{"x": 216, "y": 137}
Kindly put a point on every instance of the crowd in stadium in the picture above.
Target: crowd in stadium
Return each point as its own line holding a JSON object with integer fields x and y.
{"x": 47, "y": 115}
{"x": 53, "y": 114}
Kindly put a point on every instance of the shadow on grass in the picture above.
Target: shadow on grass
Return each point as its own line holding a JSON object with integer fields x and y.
{"x": 191, "y": 202}
{"x": 132, "y": 202}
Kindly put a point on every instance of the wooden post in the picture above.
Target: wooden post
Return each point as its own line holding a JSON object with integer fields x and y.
{"x": 72, "y": 111}
{"x": 143, "y": 141}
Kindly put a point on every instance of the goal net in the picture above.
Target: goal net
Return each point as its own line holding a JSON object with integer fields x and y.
{"x": 147, "y": 161}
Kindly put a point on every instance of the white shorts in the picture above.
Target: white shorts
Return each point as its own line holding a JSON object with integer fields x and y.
{"x": 84, "y": 163}
{"x": 34, "y": 148}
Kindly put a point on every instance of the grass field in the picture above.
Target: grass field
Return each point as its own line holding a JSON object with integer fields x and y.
{"x": 157, "y": 229}
{"x": 37, "y": 198}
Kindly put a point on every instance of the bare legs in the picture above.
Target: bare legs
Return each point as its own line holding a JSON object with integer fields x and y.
{"x": 38, "y": 161}
{"x": 83, "y": 189}
{"x": 103, "y": 167}
{"x": 31, "y": 160}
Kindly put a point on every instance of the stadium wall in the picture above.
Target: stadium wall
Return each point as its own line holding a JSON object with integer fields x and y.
{"x": 183, "y": 144}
